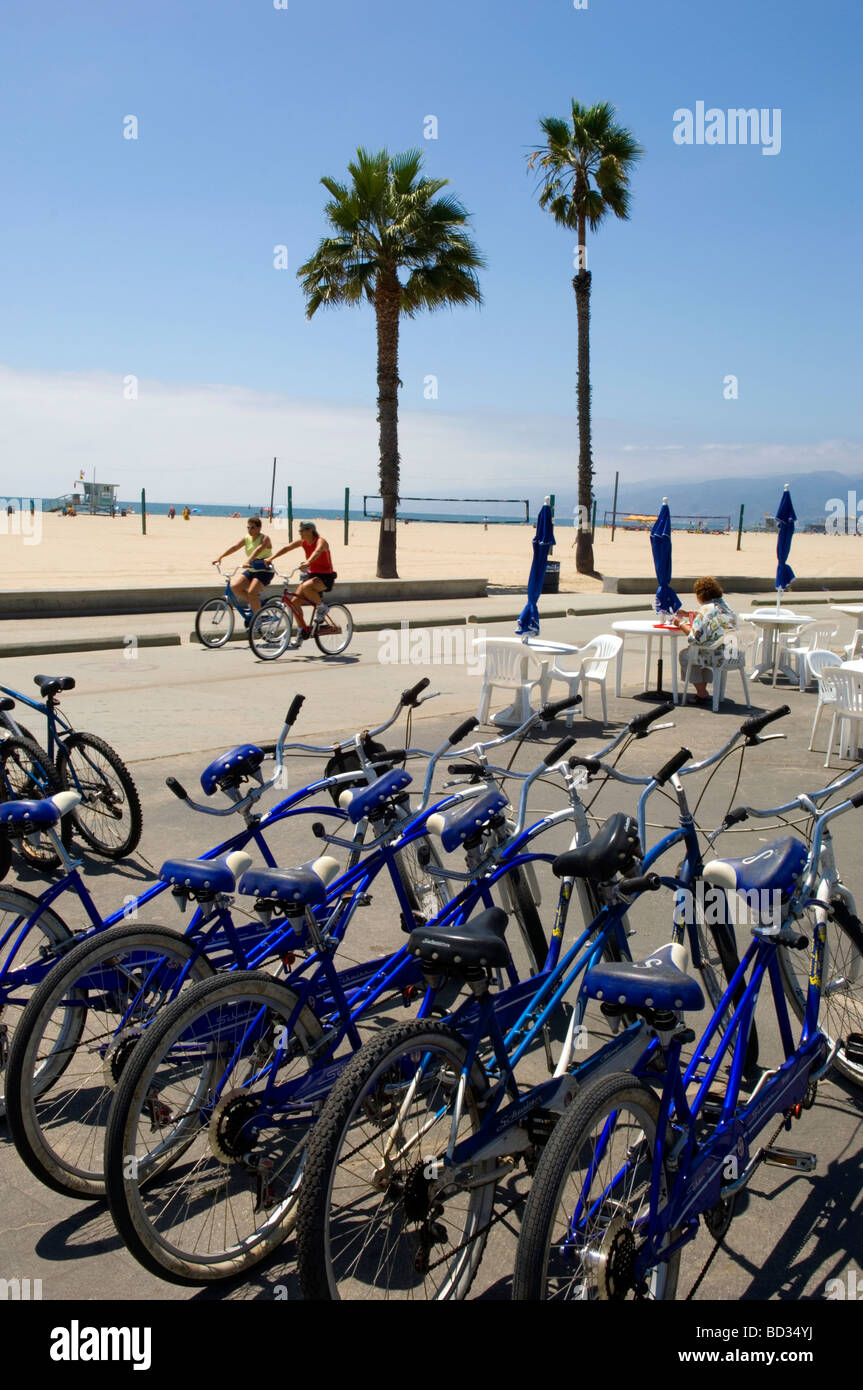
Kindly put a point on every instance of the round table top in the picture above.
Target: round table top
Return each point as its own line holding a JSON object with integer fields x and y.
{"x": 539, "y": 644}
{"x": 851, "y": 666}
{"x": 649, "y": 626}
{"x": 774, "y": 619}
{"x": 855, "y": 609}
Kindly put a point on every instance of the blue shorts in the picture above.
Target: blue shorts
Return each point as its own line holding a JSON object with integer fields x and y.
{"x": 258, "y": 570}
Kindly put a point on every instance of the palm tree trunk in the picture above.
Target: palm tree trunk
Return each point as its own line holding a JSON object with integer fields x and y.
{"x": 584, "y": 544}
{"x": 387, "y": 307}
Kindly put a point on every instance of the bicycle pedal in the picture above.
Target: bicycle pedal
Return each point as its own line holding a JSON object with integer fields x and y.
{"x": 796, "y": 1159}
{"x": 854, "y": 1048}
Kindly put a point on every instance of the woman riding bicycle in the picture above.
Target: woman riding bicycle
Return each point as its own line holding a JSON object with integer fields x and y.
{"x": 320, "y": 575}
{"x": 259, "y": 571}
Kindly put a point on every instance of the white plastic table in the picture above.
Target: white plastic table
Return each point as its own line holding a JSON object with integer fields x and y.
{"x": 854, "y": 609}
{"x": 520, "y": 710}
{"x": 771, "y": 625}
{"x": 648, "y": 628}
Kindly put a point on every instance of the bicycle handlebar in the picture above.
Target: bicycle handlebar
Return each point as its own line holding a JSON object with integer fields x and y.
{"x": 751, "y": 727}
{"x": 555, "y": 707}
{"x": 640, "y": 724}
{"x": 558, "y": 752}
{"x": 667, "y": 771}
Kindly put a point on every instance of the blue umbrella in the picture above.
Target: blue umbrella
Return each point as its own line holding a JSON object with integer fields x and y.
{"x": 660, "y": 543}
{"x": 528, "y": 623}
{"x": 785, "y": 519}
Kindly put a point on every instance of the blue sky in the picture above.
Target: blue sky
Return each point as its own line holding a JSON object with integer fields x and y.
{"x": 154, "y": 257}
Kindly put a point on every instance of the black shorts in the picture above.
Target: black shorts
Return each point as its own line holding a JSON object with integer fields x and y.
{"x": 328, "y": 580}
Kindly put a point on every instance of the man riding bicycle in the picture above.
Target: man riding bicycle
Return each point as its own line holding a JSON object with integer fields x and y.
{"x": 246, "y": 587}
{"x": 319, "y": 577}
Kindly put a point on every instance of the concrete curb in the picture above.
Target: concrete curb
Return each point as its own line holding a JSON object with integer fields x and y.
{"x": 90, "y": 644}
{"x": 732, "y": 584}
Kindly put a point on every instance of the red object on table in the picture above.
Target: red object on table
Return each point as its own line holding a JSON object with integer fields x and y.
{"x": 666, "y": 627}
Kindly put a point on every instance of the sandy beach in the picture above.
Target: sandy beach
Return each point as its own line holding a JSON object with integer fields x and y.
{"x": 52, "y": 551}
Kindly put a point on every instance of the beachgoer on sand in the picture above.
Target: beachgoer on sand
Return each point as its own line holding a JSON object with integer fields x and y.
{"x": 171, "y": 513}
{"x": 186, "y": 513}
{"x": 259, "y": 571}
{"x": 708, "y": 631}
{"x": 319, "y": 573}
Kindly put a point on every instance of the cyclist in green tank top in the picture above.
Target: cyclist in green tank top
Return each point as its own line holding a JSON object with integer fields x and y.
{"x": 259, "y": 571}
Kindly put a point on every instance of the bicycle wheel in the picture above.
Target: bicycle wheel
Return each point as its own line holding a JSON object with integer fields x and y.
{"x": 377, "y": 1219}
{"x": 271, "y": 631}
{"x": 717, "y": 950}
{"x": 48, "y": 934}
{"x": 214, "y": 622}
{"x": 427, "y": 894}
{"x": 588, "y": 1208}
{"x": 76, "y": 1035}
{"x": 841, "y": 1010}
{"x": 109, "y": 817}
{"x": 28, "y": 774}
{"x": 201, "y": 1176}
{"x": 335, "y": 631}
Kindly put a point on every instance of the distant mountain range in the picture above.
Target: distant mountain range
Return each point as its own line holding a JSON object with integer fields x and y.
{"x": 707, "y": 496}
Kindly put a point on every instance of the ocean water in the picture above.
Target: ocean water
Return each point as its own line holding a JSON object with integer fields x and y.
{"x": 320, "y": 513}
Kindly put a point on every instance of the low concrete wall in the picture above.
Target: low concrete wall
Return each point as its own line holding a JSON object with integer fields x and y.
{"x": 57, "y": 645}
{"x": 187, "y": 598}
{"x": 733, "y": 583}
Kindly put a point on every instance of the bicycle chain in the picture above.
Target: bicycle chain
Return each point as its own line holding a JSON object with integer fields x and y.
{"x": 711, "y": 1257}
{"x": 505, "y": 1211}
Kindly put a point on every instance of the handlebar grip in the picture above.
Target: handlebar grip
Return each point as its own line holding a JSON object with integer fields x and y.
{"x": 319, "y": 830}
{"x": 857, "y": 800}
{"x": 556, "y": 707}
{"x": 559, "y": 752}
{"x": 736, "y": 815}
{"x": 464, "y": 728}
{"x": 464, "y": 769}
{"x": 639, "y": 725}
{"x": 642, "y": 883}
{"x": 593, "y": 765}
{"x": 410, "y": 697}
{"x": 296, "y": 705}
{"x": 178, "y": 790}
{"x": 753, "y": 726}
{"x": 673, "y": 765}
{"x": 381, "y": 761}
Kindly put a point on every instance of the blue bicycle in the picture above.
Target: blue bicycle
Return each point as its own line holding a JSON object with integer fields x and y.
{"x": 639, "y": 1159}
{"x": 427, "y": 1120}
{"x": 108, "y": 813}
{"x": 215, "y": 620}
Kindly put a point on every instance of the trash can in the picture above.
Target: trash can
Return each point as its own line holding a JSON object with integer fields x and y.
{"x": 551, "y": 582}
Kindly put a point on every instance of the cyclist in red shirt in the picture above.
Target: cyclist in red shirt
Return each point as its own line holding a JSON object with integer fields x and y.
{"x": 319, "y": 573}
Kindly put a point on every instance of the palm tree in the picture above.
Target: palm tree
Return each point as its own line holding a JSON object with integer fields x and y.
{"x": 591, "y": 150}
{"x": 389, "y": 220}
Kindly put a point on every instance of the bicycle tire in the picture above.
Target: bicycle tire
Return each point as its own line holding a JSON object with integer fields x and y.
{"x": 103, "y": 798}
{"x": 427, "y": 894}
{"x": 841, "y": 1010}
{"x": 220, "y": 613}
{"x": 388, "y": 1061}
{"x": 59, "y": 1129}
{"x": 333, "y": 635}
{"x": 547, "y": 1258}
{"x": 48, "y": 932}
{"x": 28, "y": 774}
{"x": 270, "y": 632}
{"x": 149, "y": 1214}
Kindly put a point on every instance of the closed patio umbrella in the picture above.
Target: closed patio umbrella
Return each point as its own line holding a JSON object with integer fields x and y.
{"x": 666, "y": 600}
{"x": 528, "y": 622}
{"x": 785, "y": 519}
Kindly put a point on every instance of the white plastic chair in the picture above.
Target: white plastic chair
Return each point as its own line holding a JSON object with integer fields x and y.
{"x": 823, "y": 666}
{"x": 509, "y": 666}
{"x": 730, "y": 654}
{"x": 809, "y": 637}
{"x": 847, "y": 711}
{"x": 570, "y": 677}
{"x": 595, "y": 658}
{"x": 855, "y": 646}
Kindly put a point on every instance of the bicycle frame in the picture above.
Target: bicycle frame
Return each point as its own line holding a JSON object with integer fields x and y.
{"x": 48, "y": 709}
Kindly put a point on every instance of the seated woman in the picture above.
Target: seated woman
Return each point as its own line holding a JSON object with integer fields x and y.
{"x": 708, "y": 630}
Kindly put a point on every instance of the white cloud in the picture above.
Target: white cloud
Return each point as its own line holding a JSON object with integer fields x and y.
{"x": 216, "y": 444}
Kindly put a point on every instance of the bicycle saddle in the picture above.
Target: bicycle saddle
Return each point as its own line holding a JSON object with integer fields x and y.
{"x": 479, "y": 941}
{"x": 655, "y": 983}
{"x": 52, "y": 685}
{"x": 206, "y": 875}
{"x": 22, "y": 817}
{"x": 227, "y": 770}
{"x": 772, "y": 869}
{"x": 360, "y": 802}
{"x": 614, "y": 849}
{"x": 306, "y": 885}
{"x": 455, "y": 826}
